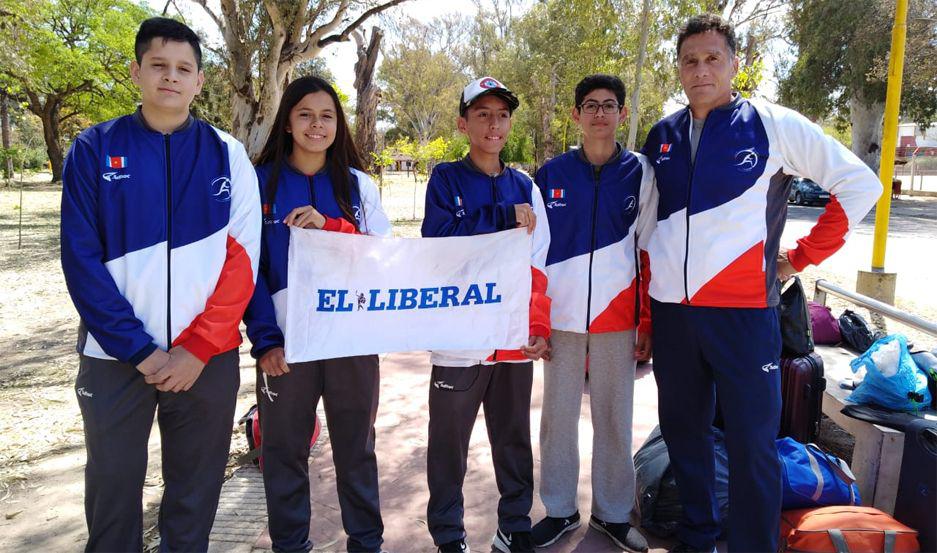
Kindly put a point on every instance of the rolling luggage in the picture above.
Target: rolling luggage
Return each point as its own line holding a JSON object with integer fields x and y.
{"x": 802, "y": 386}
{"x": 916, "y": 504}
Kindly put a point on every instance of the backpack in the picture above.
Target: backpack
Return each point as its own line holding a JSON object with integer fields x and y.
{"x": 856, "y": 332}
{"x": 845, "y": 529}
{"x": 796, "y": 331}
{"x": 251, "y": 422}
{"x": 824, "y": 324}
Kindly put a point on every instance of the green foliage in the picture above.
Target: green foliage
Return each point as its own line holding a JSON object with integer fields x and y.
{"x": 421, "y": 84}
{"x": 843, "y": 50}
{"x": 213, "y": 104}
{"x": 748, "y": 78}
{"x": 315, "y": 66}
{"x": 68, "y": 61}
{"x": 840, "y": 131}
{"x": 458, "y": 148}
{"x": 518, "y": 149}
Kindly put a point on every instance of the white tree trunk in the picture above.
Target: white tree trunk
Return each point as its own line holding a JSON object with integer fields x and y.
{"x": 866, "y": 118}
{"x": 636, "y": 93}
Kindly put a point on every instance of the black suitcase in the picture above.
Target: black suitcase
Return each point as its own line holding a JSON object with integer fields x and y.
{"x": 916, "y": 504}
{"x": 802, "y": 386}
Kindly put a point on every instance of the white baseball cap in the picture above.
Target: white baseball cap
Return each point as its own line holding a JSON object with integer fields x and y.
{"x": 482, "y": 87}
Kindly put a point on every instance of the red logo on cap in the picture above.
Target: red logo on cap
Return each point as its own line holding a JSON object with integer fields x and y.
{"x": 490, "y": 83}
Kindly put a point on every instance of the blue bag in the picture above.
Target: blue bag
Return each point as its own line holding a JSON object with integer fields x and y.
{"x": 812, "y": 478}
{"x": 904, "y": 390}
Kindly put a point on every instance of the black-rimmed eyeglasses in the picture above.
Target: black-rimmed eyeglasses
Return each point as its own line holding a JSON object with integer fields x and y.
{"x": 592, "y": 108}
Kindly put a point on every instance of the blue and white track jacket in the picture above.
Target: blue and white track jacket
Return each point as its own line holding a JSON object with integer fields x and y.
{"x": 266, "y": 314}
{"x": 160, "y": 238}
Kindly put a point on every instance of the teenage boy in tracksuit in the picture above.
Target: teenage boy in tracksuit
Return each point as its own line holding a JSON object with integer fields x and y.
{"x": 601, "y": 204}
{"x": 479, "y": 195}
{"x": 160, "y": 242}
{"x": 724, "y": 167}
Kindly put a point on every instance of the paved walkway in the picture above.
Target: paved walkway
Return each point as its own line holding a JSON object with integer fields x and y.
{"x": 401, "y": 448}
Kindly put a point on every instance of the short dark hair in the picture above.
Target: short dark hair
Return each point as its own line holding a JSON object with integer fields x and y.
{"x": 595, "y": 82}
{"x": 166, "y": 29}
{"x": 707, "y": 22}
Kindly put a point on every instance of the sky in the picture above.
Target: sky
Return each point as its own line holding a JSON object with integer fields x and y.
{"x": 340, "y": 58}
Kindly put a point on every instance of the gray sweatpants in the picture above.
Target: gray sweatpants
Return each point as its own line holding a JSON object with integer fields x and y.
{"x": 611, "y": 395}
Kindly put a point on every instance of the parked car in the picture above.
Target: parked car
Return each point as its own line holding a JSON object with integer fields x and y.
{"x": 807, "y": 192}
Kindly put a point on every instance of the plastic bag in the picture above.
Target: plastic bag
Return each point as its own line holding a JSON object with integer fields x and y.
{"x": 905, "y": 390}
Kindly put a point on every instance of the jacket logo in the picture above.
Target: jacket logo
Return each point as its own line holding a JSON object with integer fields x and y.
{"x": 356, "y": 210}
{"x": 113, "y": 175}
{"x": 769, "y": 367}
{"x": 555, "y": 203}
{"x": 265, "y": 390}
{"x": 746, "y": 160}
{"x": 83, "y": 393}
{"x": 117, "y": 162}
{"x": 630, "y": 203}
{"x": 221, "y": 189}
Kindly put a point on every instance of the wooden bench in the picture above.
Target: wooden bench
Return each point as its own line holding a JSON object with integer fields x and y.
{"x": 876, "y": 458}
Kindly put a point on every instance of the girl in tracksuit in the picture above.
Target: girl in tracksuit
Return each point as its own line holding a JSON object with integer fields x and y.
{"x": 310, "y": 177}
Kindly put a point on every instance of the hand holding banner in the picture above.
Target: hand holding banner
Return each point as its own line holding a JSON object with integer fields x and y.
{"x": 356, "y": 295}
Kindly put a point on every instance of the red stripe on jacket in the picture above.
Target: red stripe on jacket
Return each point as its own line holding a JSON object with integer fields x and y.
{"x": 826, "y": 236}
{"x": 539, "y": 316}
{"x": 339, "y": 224}
{"x": 740, "y": 284}
{"x": 215, "y": 329}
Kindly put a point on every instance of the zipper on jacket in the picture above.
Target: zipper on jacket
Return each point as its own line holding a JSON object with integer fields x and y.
{"x": 596, "y": 170}
{"x": 689, "y": 189}
{"x": 312, "y": 190}
{"x": 168, "y": 243}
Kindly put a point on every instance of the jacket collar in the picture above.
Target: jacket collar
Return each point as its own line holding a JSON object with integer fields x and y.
{"x": 581, "y": 155}
{"x": 468, "y": 163}
{"x": 138, "y": 117}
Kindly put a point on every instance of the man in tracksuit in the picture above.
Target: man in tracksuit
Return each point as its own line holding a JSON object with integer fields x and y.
{"x": 160, "y": 241}
{"x": 602, "y": 206}
{"x": 724, "y": 167}
{"x": 480, "y": 195}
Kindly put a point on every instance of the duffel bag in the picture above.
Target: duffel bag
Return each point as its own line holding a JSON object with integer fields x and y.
{"x": 813, "y": 478}
{"x": 845, "y": 529}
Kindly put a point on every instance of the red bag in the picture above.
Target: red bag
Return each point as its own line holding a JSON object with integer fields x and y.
{"x": 251, "y": 422}
{"x": 845, "y": 529}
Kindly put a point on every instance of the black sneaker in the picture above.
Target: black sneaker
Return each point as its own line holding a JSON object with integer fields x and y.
{"x": 457, "y": 546}
{"x": 621, "y": 534}
{"x": 516, "y": 542}
{"x": 550, "y": 529}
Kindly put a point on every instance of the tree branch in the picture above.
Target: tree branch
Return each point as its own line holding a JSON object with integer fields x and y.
{"x": 218, "y": 21}
{"x": 313, "y": 38}
{"x": 343, "y": 36}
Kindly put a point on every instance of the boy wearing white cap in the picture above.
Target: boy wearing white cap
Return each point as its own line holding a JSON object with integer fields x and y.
{"x": 480, "y": 195}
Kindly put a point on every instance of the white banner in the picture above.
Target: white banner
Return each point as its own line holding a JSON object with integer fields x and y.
{"x": 355, "y": 295}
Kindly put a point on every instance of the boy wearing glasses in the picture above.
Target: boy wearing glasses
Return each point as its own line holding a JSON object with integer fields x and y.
{"x": 601, "y": 207}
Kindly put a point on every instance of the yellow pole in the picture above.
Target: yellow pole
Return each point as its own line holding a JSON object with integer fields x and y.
{"x": 889, "y": 134}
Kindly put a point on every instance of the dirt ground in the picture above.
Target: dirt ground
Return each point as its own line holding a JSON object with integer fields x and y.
{"x": 41, "y": 440}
